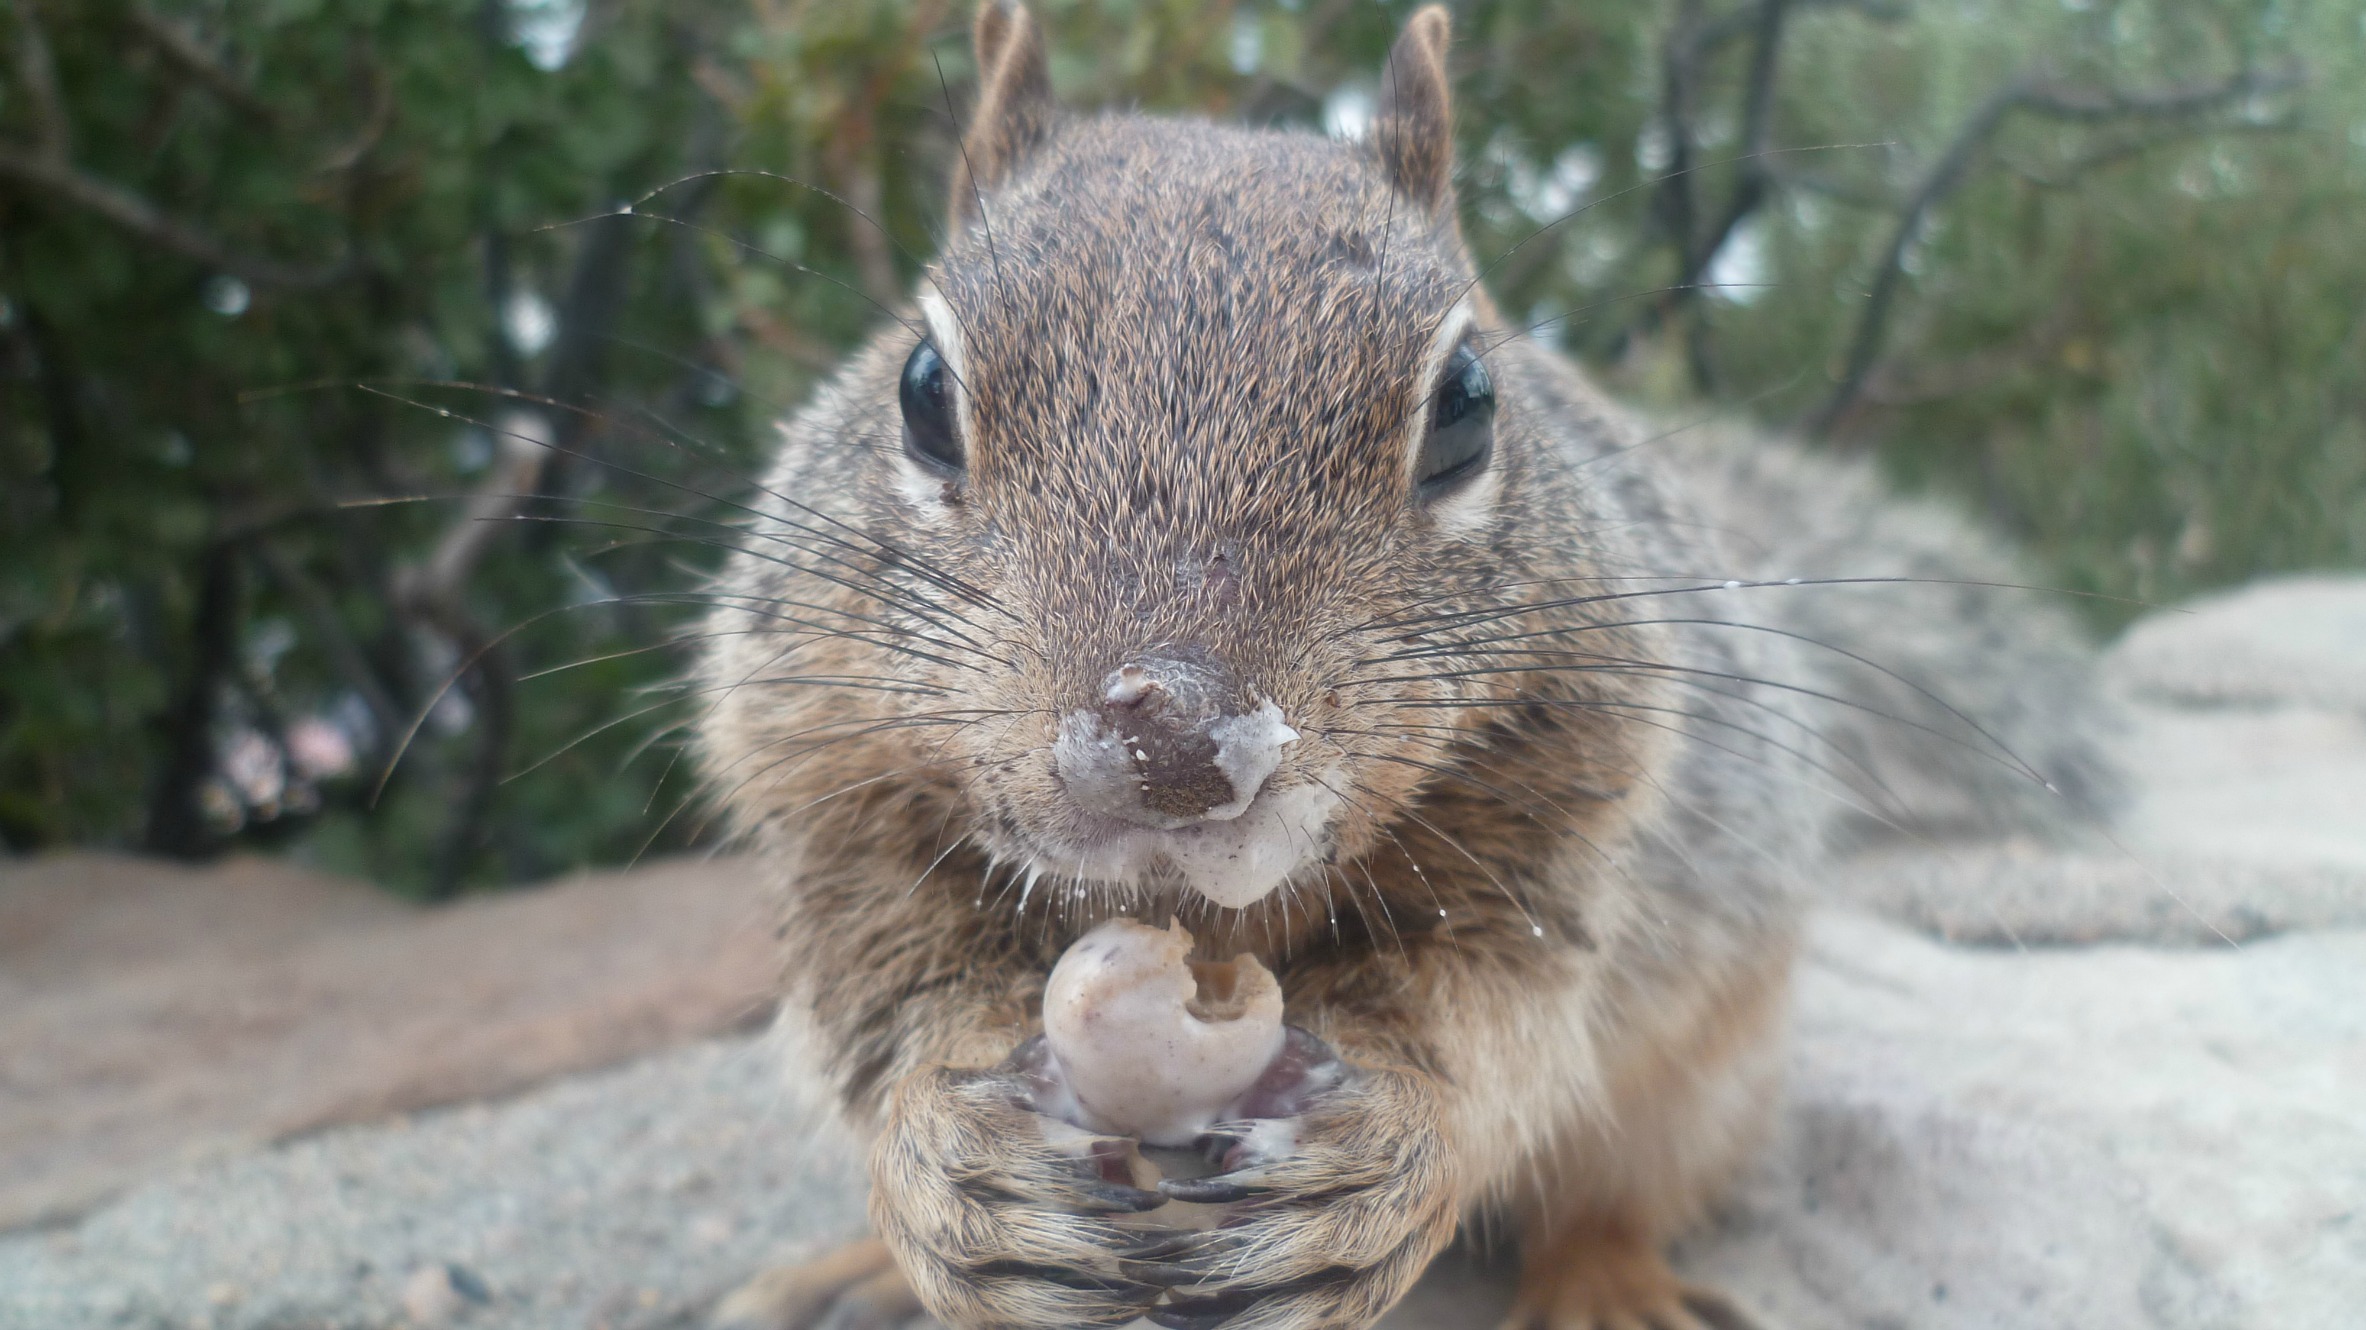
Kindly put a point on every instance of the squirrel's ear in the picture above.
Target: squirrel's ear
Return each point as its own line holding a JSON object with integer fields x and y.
{"x": 1014, "y": 108}
{"x": 1414, "y": 129}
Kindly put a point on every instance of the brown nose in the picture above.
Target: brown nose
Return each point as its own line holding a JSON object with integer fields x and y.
{"x": 1171, "y": 742}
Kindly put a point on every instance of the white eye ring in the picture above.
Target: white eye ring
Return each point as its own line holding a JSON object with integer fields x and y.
{"x": 922, "y": 485}
{"x": 1461, "y": 433}
{"x": 1463, "y": 510}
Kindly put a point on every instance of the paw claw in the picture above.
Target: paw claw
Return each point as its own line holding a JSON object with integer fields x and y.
{"x": 1222, "y": 1189}
{"x": 1217, "y": 1308}
{"x": 1118, "y": 1198}
{"x": 1083, "y": 1281}
{"x": 1166, "y": 1245}
{"x": 1203, "y": 1313}
{"x": 1162, "y": 1274}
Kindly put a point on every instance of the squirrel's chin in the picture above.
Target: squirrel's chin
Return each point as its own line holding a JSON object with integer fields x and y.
{"x": 1234, "y": 863}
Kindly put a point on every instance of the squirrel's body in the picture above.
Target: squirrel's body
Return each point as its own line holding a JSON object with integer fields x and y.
{"x": 1529, "y": 856}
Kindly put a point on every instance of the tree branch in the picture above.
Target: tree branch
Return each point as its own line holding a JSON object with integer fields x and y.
{"x": 177, "y": 823}
{"x": 183, "y": 51}
{"x": 2074, "y": 173}
{"x": 1741, "y": 23}
{"x": 53, "y": 177}
{"x": 1695, "y": 40}
{"x": 1941, "y": 180}
{"x": 1751, "y": 173}
{"x": 2040, "y": 96}
{"x": 1752, "y": 178}
{"x": 1676, "y": 203}
{"x": 53, "y": 130}
{"x": 345, "y": 655}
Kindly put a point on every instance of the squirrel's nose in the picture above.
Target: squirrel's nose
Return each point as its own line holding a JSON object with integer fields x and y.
{"x": 1170, "y": 743}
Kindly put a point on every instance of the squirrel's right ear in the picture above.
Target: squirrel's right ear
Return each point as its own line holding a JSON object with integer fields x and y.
{"x": 1413, "y": 130}
{"x": 1014, "y": 110}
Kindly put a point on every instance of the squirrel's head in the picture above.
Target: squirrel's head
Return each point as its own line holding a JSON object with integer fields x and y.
{"x": 1193, "y": 430}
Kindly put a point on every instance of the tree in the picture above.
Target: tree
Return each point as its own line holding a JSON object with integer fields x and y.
{"x": 377, "y": 376}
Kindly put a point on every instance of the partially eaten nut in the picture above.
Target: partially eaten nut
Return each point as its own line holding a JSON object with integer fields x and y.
{"x": 1151, "y": 1043}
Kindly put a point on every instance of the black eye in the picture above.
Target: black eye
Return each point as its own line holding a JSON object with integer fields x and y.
{"x": 1461, "y": 425}
{"x": 929, "y": 435}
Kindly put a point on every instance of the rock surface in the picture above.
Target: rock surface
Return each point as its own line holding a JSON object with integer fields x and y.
{"x": 2115, "y": 1086}
{"x": 2281, "y": 641}
{"x": 152, "y": 1014}
{"x": 621, "y": 1198}
{"x": 2113, "y": 1137}
{"x": 2248, "y": 815}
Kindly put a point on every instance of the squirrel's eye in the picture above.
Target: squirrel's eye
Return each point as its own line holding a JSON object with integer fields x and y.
{"x": 1461, "y": 425}
{"x": 929, "y": 433}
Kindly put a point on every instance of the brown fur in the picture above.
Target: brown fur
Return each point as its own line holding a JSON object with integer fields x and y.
{"x": 1551, "y": 914}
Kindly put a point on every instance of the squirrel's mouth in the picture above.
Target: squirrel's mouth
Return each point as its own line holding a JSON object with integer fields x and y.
{"x": 1234, "y": 862}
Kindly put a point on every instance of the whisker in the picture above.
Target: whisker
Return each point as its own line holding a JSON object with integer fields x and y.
{"x": 1490, "y": 614}
{"x": 1998, "y": 751}
{"x": 803, "y": 680}
{"x": 717, "y": 233}
{"x": 1642, "y": 713}
{"x": 858, "y": 588}
{"x": 833, "y": 196}
{"x": 863, "y": 539}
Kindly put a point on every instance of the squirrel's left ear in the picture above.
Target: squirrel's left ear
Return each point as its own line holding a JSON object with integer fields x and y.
{"x": 1413, "y": 130}
{"x": 1015, "y": 108}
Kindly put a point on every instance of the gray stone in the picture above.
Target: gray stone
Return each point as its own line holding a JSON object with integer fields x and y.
{"x": 625, "y": 1198}
{"x": 2025, "y": 896}
{"x": 2247, "y": 813}
{"x": 2279, "y": 641}
{"x": 2280, "y": 785}
{"x": 2111, "y": 1137}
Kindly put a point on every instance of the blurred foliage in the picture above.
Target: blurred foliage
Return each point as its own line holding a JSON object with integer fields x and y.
{"x": 287, "y": 281}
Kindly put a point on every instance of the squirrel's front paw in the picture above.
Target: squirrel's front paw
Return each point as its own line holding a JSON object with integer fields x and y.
{"x": 1340, "y": 1189}
{"x": 999, "y": 1214}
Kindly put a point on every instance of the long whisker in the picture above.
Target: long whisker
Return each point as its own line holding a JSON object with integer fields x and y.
{"x": 1458, "y": 618}
{"x": 717, "y": 233}
{"x": 1643, "y": 714}
{"x": 859, "y": 587}
{"x": 1998, "y": 750}
{"x": 804, "y": 680}
{"x": 864, "y": 538}
{"x": 757, "y": 173}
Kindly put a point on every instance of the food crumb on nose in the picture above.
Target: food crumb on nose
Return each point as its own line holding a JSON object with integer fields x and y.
{"x": 1248, "y": 749}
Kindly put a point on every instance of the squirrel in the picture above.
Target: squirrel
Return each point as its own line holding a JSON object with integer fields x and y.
{"x": 1203, "y": 544}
